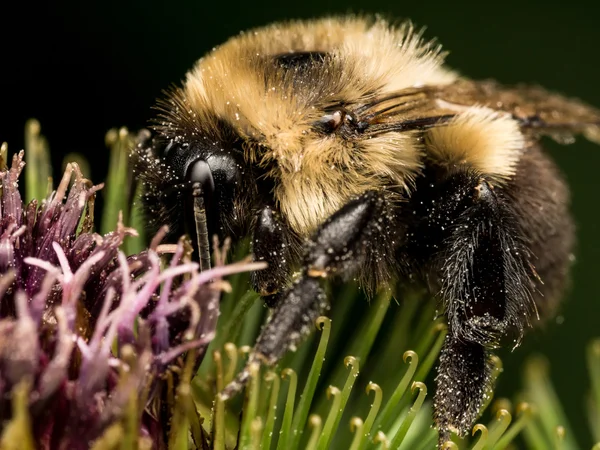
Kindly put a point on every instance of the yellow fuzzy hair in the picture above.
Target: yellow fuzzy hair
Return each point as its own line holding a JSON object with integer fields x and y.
{"x": 316, "y": 175}
{"x": 489, "y": 141}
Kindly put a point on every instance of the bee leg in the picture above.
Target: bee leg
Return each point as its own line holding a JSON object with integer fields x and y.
{"x": 462, "y": 383}
{"x": 274, "y": 243}
{"x": 479, "y": 255}
{"x": 339, "y": 247}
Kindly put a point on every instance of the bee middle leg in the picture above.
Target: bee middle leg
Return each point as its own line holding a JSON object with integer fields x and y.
{"x": 350, "y": 240}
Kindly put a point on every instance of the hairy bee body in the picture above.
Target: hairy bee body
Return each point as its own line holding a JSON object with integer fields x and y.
{"x": 346, "y": 148}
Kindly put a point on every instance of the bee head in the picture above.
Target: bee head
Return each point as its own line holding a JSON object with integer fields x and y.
{"x": 190, "y": 185}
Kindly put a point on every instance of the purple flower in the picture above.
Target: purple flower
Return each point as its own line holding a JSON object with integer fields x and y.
{"x": 87, "y": 329}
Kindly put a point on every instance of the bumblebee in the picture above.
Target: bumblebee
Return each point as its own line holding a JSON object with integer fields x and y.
{"x": 345, "y": 148}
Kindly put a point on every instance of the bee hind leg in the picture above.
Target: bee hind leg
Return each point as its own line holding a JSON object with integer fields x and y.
{"x": 479, "y": 257}
{"x": 341, "y": 246}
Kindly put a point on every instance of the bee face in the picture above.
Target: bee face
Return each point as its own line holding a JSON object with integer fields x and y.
{"x": 346, "y": 148}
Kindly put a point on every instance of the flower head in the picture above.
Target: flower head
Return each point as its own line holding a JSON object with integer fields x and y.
{"x": 86, "y": 329}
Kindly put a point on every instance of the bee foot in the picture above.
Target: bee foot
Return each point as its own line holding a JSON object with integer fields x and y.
{"x": 237, "y": 385}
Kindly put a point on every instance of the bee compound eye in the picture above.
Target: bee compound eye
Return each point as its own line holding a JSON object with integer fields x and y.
{"x": 214, "y": 177}
{"x": 199, "y": 173}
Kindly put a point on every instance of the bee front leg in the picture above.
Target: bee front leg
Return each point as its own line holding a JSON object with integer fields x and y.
{"x": 275, "y": 243}
{"x": 340, "y": 247}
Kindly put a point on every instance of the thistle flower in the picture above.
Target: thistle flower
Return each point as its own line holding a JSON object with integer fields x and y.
{"x": 87, "y": 333}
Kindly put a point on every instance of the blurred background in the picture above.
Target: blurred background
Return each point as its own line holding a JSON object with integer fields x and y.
{"x": 84, "y": 67}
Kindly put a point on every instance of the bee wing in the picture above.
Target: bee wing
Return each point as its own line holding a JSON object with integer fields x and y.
{"x": 538, "y": 111}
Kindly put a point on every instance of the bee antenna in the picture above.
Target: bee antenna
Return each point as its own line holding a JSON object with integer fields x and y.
{"x": 201, "y": 227}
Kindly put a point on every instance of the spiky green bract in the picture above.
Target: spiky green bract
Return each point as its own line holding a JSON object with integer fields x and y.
{"x": 317, "y": 365}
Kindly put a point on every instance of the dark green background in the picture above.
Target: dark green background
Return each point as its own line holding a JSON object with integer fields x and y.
{"x": 82, "y": 68}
